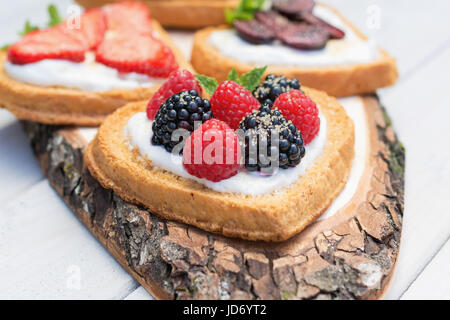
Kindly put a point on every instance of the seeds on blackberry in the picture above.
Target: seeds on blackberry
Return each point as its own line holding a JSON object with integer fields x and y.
{"x": 272, "y": 87}
{"x": 180, "y": 111}
{"x": 270, "y": 141}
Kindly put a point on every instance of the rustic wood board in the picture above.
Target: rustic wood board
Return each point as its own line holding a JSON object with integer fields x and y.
{"x": 350, "y": 255}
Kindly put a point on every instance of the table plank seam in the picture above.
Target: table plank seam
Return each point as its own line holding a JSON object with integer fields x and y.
{"x": 424, "y": 267}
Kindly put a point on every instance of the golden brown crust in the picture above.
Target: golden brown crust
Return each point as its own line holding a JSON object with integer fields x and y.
{"x": 54, "y": 105}
{"x": 337, "y": 81}
{"x": 188, "y": 14}
{"x": 273, "y": 217}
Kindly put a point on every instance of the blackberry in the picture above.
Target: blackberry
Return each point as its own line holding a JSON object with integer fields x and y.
{"x": 180, "y": 111}
{"x": 262, "y": 145}
{"x": 273, "y": 86}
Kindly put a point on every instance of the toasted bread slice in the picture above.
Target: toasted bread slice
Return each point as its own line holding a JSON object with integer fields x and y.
{"x": 56, "y": 105}
{"x": 338, "y": 80}
{"x": 271, "y": 217}
{"x": 187, "y": 14}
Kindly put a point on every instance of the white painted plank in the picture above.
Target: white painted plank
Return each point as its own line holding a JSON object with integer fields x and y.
{"x": 433, "y": 282}
{"x": 410, "y": 30}
{"x": 420, "y": 111}
{"x": 46, "y": 253}
{"x": 14, "y": 15}
{"x": 139, "y": 294}
{"x": 19, "y": 169}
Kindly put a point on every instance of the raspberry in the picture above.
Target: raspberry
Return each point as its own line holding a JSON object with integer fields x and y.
{"x": 180, "y": 111}
{"x": 212, "y": 152}
{"x": 232, "y": 102}
{"x": 302, "y": 111}
{"x": 268, "y": 134}
{"x": 179, "y": 80}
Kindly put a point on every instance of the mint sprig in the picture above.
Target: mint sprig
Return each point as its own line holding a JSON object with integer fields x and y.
{"x": 28, "y": 28}
{"x": 54, "y": 16}
{"x": 234, "y": 76}
{"x": 249, "y": 80}
{"x": 208, "y": 83}
{"x": 244, "y": 11}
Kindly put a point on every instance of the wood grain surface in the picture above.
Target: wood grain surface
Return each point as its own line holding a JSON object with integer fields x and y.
{"x": 350, "y": 255}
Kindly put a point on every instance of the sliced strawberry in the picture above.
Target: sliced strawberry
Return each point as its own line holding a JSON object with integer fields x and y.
{"x": 51, "y": 43}
{"x": 128, "y": 16}
{"x": 128, "y": 52}
{"x": 91, "y": 29}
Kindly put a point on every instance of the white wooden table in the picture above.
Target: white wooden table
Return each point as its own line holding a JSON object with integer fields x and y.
{"x": 45, "y": 252}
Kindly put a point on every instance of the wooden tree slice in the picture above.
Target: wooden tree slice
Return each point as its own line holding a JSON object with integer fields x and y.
{"x": 350, "y": 255}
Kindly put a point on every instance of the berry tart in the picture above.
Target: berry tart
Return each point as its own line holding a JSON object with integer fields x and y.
{"x": 257, "y": 161}
{"x": 187, "y": 14}
{"x": 298, "y": 39}
{"x": 79, "y": 70}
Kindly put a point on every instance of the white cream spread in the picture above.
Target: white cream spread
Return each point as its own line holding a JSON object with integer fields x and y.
{"x": 349, "y": 50}
{"x": 139, "y": 132}
{"x": 88, "y": 75}
{"x": 355, "y": 110}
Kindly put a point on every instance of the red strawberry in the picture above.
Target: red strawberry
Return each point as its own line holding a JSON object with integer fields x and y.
{"x": 91, "y": 29}
{"x": 51, "y": 43}
{"x": 302, "y": 111}
{"x": 232, "y": 102}
{"x": 212, "y": 152}
{"x": 179, "y": 80}
{"x": 128, "y": 52}
{"x": 130, "y": 15}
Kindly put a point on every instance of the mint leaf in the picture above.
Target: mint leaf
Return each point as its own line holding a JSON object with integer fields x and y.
{"x": 252, "y": 5}
{"x": 251, "y": 79}
{"x": 5, "y": 47}
{"x": 28, "y": 28}
{"x": 209, "y": 84}
{"x": 231, "y": 15}
{"x": 54, "y": 16}
{"x": 233, "y": 76}
{"x": 244, "y": 11}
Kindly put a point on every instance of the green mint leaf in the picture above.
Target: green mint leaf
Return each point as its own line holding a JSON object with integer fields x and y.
{"x": 251, "y": 79}
{"x": 252, "y": 5}
{"x": 5, "y": 47}
{"x": 54, "y": 16}
{"x": 233, "y": 76}
{"x": 209, "y": 84}
{"x": 28, "y": 28}
{"x": 244, "y": 11}
{"x": 231, "y": 15}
